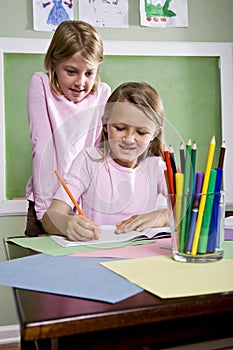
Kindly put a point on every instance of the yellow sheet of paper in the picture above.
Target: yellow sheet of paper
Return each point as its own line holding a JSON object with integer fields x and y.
{"x": 166, "y": 278}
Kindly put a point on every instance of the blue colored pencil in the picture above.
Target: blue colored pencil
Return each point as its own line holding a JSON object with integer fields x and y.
{"x": 215, "y": 212}
{"x": 204, "y": 234}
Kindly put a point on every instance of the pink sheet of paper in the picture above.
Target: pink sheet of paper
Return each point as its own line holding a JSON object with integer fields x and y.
{"x": 160, "y": 247}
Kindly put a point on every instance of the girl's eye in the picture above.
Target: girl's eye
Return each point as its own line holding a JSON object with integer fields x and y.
{"x": 71, "y": 71}
{"x": 142, "y": 133}
{"x": 89, "y": 74}
{"x": 119, "y": 128}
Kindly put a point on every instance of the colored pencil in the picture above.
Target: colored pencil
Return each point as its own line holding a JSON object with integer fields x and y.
{"x": 68, "y": 192}
{"x": 185, "y": 203}
{"x": 182, "y": 157}
{"x": 222, "y": 155}
{"x": 193, "y": 168}
{"x": 199, "y": 182}
{"x": 204, "y": 234}
{"x": 221, "y": 223}
{"x": 213, "y": 232}
{"x": 191, "y": 190}
{"x": 203, "y": 198}
{"x": 179, "y": 180}
{"x": 167, "y": 181}
{"x": 173, "y": 165}
{"x": 171, "y": 151}
{"x": 169, "y": 171}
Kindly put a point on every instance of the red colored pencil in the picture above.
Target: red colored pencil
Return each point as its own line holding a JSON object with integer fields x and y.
{"x": 169, "y": 171}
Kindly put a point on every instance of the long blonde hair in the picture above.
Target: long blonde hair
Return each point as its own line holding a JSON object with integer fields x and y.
{"x": 147, "y": 99}
{"x": 69, "y": 38}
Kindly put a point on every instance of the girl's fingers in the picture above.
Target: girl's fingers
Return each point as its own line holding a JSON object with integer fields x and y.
{"x": 82, "y": 229}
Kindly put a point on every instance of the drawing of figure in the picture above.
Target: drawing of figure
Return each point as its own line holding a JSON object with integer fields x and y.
{"x": 158, "y": 11}
{"x": 113, "y": 2}
{"x": 58, "y": 13}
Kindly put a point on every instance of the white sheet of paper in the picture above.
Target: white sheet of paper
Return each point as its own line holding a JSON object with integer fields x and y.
{"x": 108, "y": 236}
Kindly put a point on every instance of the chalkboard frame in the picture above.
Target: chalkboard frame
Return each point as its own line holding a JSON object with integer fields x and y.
{"x": 224, "y": 51}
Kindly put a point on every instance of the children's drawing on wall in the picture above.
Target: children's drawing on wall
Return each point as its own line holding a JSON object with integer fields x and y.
{"x": 104, "y": 13}
{"x": 48, "y": 15}
{"x": 164, "y": 13}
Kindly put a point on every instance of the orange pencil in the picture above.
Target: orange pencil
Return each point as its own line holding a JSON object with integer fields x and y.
{"x": 68, "y": 192}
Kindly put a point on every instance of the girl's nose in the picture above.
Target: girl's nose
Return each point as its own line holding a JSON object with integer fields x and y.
{"x": 129, "y": 136}
{"x": 80, "y": 80}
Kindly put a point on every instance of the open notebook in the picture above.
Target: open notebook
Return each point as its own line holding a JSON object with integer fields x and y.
{"x": 108, "y": 236}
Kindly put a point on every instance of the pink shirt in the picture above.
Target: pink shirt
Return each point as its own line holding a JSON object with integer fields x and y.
{"x": 59, "y": 130}
{"x": 110, "y": 193}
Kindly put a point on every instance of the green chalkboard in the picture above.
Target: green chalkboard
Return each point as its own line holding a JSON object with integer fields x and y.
{"x": 189, "y": 87}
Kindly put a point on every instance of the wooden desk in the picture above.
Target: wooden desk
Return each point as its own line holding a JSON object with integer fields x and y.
{"x": 58, "y": 322}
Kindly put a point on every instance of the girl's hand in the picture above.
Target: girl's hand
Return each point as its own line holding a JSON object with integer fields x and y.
{"x": 58, "y": 220}
{"x": 157, "y": 218}
{"x": 80, "y": 228}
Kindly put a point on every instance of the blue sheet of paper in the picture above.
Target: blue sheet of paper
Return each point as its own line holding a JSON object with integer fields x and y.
{"x": 79, "y": 277}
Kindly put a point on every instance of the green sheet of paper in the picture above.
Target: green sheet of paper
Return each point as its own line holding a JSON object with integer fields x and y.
{"x": 167, "y": 278}
{"x": 47, "y": 246}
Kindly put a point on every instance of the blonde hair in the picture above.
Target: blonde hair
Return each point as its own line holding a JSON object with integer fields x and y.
{"x": 147, "y": 99}
{"x": 69, "y": 38}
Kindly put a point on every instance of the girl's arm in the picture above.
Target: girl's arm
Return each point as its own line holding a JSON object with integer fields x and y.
{"x": 157, "y": 218}
{"x": 40, "y": 135}
{"x": 58, "y": 220}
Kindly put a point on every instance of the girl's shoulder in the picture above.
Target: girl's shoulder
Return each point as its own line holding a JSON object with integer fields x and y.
{"x": 104, "y": 88}
{"x": 40, "y": 75}
{"x": 89, "y": 160}
{"x": 104, "y": 85}
{"x": 153, "y": 158}
{"x": 154, "y": 161}
{"x": 40, "y": 78}
{"x": 90, "y": 155}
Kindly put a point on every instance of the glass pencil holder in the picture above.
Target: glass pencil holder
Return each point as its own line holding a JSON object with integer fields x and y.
{"x": 197, "y": 226}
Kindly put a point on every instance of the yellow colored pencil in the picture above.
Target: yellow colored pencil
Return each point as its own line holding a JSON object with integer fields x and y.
{"x": 203, "y": 197}
{"x": 179, "y": 181}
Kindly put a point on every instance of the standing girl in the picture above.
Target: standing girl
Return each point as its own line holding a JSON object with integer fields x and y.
{"x": 65, "y": 106}
{"x": 119, "y": 181}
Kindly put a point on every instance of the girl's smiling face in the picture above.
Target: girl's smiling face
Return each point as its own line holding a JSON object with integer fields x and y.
{"x": 76, "y": 77}
{"x": 130, "y": 132}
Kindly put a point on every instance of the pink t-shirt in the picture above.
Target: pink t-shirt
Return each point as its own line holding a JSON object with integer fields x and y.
{"x": 110, "y": 193}
{"x": 59, "y": 130}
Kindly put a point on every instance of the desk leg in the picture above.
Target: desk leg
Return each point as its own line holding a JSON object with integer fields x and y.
{"x": 27, "y": 345}
{"x": 54, "y": 344}
{"x": 46, "y": 344}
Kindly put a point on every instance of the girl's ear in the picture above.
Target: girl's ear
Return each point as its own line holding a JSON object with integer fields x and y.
{"x": 158, "y": 131}
{"x": 105, "y": 128}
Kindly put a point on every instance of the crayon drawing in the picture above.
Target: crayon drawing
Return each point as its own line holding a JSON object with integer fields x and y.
{"x": 104, "y": 13}
{"x": 163, "y": 13}
{"x": 48, "y": 15}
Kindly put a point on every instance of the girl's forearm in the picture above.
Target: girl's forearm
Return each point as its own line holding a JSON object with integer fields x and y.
{"x": 55, "y": 222}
